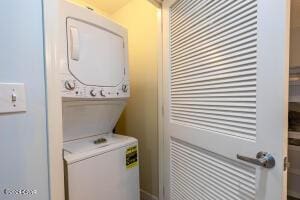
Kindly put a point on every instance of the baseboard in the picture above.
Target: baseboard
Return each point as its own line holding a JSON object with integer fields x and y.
{"x": 147, "y": 196}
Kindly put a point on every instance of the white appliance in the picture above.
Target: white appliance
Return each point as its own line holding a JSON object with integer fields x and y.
{"x": 95, "y": 88}
{"x": 105, "y": 171}
{"x": 95, "y": 57}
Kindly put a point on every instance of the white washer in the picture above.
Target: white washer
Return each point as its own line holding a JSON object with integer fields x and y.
{"x": 108, "y": 170}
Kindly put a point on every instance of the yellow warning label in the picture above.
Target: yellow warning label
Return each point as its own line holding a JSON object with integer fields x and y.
{"x": 131, "y": 157}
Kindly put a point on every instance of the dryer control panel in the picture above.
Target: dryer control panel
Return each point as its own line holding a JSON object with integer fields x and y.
{"x": 75, "y": 89}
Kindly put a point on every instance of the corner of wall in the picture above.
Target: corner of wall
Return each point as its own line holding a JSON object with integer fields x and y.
{"x": 85, "y": 4}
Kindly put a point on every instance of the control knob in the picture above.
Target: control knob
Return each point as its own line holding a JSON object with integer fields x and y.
{"x": 70, "y": 85}
{"x": 93, "y": 93}
{"x": 102, "y": 93}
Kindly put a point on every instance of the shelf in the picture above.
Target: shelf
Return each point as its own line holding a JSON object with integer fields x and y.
{"x": 292, "y": 198}
{"x": 294, "y": 134}
{"x": 293, "y": 195}
{"x": 294, "y": 148}
{"x": 295, "y": 79}
{"x": 294, "y": 171}
{"x": 294, "y": 99}
{"x": 294, "y": 69}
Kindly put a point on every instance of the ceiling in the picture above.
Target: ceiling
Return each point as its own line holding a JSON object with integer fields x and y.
{"x": 108, "y": 6}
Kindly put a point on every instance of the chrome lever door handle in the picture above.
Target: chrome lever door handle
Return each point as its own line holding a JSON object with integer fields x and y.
{"x": 263, "y": 159}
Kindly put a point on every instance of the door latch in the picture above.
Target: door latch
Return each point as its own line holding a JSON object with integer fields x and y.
{"x": 286, "y": 163}
{"x": 263, "y": 159}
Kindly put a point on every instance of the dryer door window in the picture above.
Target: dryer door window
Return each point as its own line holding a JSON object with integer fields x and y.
{"x": 96, "y": 56}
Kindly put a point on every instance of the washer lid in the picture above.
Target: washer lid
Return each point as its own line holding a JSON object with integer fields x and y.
{"x": 89, "y": 147}
{"x": 96, "y": 55}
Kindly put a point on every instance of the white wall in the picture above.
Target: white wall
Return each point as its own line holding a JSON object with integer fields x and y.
{"x": 23, "y": 137}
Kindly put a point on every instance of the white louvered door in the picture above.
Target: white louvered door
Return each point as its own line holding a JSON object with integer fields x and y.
{"x": 225, "y": 93}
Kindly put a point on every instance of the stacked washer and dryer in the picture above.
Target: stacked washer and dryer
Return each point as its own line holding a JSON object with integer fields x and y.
{"x": 95, "y": 88}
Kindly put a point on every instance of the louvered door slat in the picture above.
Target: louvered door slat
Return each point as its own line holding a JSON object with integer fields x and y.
{"x": 216, "y": 112}
{"x": 201, "y": 171}
{"x": 213, "y": 72}
{"x": 206, "y": 58}
{"x": 214, "y": 179}
{"x": 213, "y": 63}
{"x": 241, "y": 121}
{"x": 247, "y": 59}
{"x": 225, "y": 77}
{"x": 213, "y": 68}
{"x": 216, "y": 44}
{"x": 221, "y": 90}
{"x": 217, "y": 108}
{"x": 233, "y": 82}
{"x": 226, "y": 22}
{"x": 211, "y": 52}
{"x": 183, "y": 7}
{"x": 193, "y": 7}
{"x": 230, "y": 177}
{"x": 210, "y": 11}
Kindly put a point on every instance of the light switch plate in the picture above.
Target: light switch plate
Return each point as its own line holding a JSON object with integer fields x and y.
{"x": 12, "y": 98}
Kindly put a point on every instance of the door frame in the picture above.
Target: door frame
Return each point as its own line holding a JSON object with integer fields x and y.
{"x": 54, "y": 103}
{"x": 160, "y": 109}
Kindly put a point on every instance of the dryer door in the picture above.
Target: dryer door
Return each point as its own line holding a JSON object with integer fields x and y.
{"x": 96, "y": 56}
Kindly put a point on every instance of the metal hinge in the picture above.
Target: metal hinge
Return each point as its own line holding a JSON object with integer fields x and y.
{"x": 286, "y": 163}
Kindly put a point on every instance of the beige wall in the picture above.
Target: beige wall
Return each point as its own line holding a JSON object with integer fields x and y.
{"x": 108, "y": 6}
{"x": 140, "y": 117}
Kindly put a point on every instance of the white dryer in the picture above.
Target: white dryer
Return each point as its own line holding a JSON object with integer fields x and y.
{"x": 95, "y": 88}
{"x": 94, "y": 55}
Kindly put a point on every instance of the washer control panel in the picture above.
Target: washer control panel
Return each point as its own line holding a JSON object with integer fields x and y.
{"x": 74, "y": 89}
